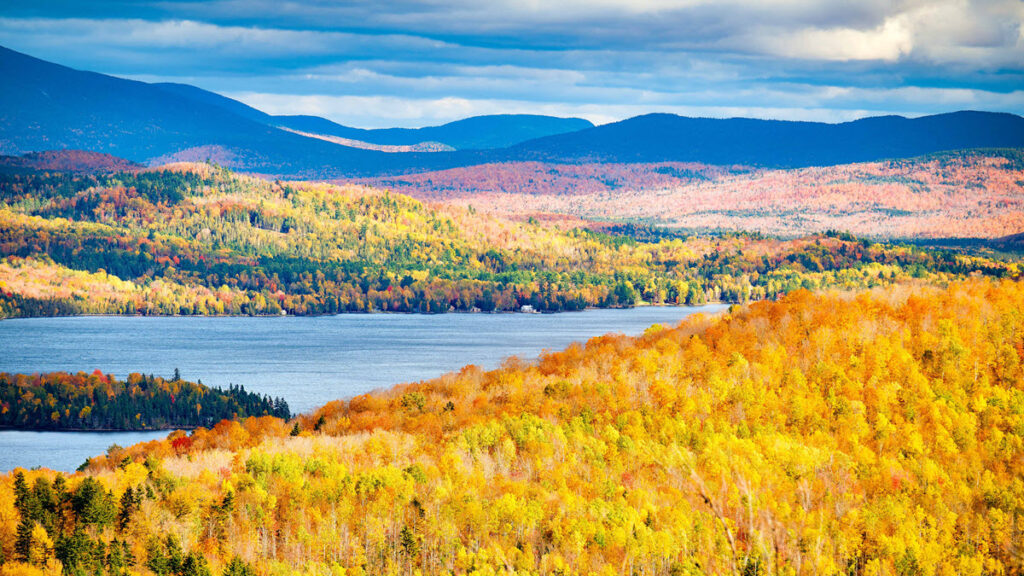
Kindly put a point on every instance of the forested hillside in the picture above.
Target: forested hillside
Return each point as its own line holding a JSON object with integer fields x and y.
{"x": 62, "y": 401}
{"x": 197, "y": 239}
{"x": 968, "y": 194}
{"x": 80, "y": 161}
{"x": 870, "y": 433}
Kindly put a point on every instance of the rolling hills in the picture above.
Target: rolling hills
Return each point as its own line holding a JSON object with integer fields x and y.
{"x": 971, "y": 194}
{"x": 476, "y": 133}
{"x": 45, "y": 106}
{"x": 198, "y": 239}
{"x": 773, "y": 143}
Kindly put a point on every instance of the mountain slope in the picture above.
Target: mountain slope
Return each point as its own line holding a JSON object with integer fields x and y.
{"x": 45, "y": 106}
{"x": 212, "y": 98}
{"x": 476, "y": 133}
{"x": 73, "y": 161}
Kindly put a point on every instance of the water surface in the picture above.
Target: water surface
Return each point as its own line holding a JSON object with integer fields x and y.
{"x": 306, "y": 360}
{"x": 61, "y": 450}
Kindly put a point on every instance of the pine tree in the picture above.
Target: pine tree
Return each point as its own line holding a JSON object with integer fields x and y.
{"x": 77, "y": 553}
{"x": 23, "y": 542}
{"x": 409, "y": 544}
{"x": 21, "y": 494}
{"x": 195, "y": 565}
{"x": 115, "y": 560}
{"x": 93, "y": 504}
{"x": 238, "y": 567}
{"x": 129, "y": 503}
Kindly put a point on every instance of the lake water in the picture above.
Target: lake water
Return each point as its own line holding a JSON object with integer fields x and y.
{"x": 61, "y": 450}
{"x": 306, "y": 360}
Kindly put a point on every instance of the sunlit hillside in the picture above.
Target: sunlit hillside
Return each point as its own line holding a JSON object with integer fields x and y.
{"x": 871, "y": 433}
{"x": 198, "y": 239}
{"x": 964, "y": 194}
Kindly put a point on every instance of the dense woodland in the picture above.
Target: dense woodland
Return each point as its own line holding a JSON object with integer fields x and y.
{"x": 976, "y": 193}
{"x": 197, "y": 239}
{"x": 878, "y": 432}
{"x": 63, "y": 401}
{"x": 80, "y": 161}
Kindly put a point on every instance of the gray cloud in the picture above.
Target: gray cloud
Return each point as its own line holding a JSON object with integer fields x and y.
{"x": 417, "y": 62}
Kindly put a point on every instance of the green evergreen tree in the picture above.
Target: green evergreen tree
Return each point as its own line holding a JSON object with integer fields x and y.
{"x": 119, "y": 558}
{"x": 194, "y": 565}
{"x": 23, "y": 540}
{"x": 78, "y": 553}
{"x": 130, "y": 501}
{"x": 238, "y": 567}
{"x": 21, "y": 494}
{"x": 409, "y": 544}
{"x": 92, "y": 504}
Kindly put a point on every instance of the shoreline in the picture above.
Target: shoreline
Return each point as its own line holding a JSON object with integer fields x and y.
{"x": 98, "y": 430}
{"x": 363, "y": 313}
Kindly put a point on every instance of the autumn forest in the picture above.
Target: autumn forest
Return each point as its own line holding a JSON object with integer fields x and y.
{"x": 876, "y": 432}
{"x": 745, "y": 299}
{"x": 196, "y": 239}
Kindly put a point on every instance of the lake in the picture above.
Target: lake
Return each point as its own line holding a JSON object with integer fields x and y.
{"x": 306, "y": 360}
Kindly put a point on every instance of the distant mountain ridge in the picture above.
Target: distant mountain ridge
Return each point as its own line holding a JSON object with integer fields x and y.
{"x": 775, "y": 143}
{"x": 475, "y": 133}
{"x": 46, "y": 106}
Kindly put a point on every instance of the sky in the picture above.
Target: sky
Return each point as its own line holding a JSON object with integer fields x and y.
{"x": 380, "y": 63}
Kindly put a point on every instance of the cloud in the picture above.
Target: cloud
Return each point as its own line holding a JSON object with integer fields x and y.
{"x": 849, "y": 29}
{"x": 411, "y": 62}
{"x": 890, "y": 41}
{"x": 191, "y": 37}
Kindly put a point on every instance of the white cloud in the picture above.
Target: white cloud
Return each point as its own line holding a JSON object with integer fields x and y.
{"x": 413, "y": 63}
{"x": 833, "y": 105}
{"x": 890, "y": 41}
{"x": 192, "y": 36}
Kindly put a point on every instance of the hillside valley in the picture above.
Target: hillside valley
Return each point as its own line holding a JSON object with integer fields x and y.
{"x": 199, "y": 239}
{"x": 971, "y": 194}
